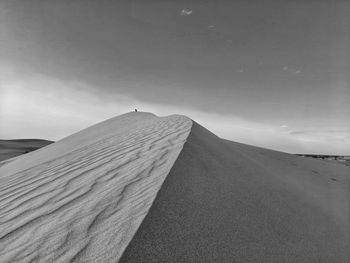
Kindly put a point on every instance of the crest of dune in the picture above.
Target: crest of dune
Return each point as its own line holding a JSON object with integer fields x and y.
{"x": 142, "y": 188}
{"x": 82, "y": 198}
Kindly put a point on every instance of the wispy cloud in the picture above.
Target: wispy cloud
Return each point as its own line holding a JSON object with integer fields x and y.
{"x": 186, "y": 12}
{"x": 326, "y": 135}
{"x": 44, "y": 107}
{"x": 291, "y": 70}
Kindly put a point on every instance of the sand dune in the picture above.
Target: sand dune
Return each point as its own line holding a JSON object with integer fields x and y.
{"x": 139, "y": 188}
{"x": 228, "y": 202}
{"x": 82, "y": 199}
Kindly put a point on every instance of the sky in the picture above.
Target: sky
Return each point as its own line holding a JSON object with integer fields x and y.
{"x": 271, "y": 73}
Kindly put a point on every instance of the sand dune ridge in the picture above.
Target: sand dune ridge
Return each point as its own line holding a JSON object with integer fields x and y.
{"x": 85, "y": 205}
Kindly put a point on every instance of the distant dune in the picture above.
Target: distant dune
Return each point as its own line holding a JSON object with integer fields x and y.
{"x": 140, "y": 188}
{"x": 343, "y": 159}
{"x": 13, "y": 148}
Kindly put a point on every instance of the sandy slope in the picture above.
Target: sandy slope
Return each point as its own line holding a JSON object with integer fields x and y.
{"x": 82, "y": 199}
{"x": 228, "y": 202}
{"x": 13, "y": 148}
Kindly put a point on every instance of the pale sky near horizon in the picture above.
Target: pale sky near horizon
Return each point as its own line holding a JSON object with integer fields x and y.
{"x": 271, "y": 73}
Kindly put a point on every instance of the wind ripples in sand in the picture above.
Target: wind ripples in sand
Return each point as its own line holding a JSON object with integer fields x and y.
{"x": 86, "y": 205}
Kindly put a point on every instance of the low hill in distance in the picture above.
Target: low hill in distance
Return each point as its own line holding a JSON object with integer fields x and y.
{"x": 13, "y": 148}
{"x": 344, "y": 159}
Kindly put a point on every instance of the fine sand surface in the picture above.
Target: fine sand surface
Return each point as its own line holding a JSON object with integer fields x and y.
{"x": 228, "y": 202}
{"x": 139, "y": 188}
{"x": 13, "y": 148}
{"x": 82, "y": 199}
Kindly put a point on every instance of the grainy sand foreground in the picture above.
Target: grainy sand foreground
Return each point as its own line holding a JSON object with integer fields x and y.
{"x": 82, "y": 199}
{"x": 228, "y": 202}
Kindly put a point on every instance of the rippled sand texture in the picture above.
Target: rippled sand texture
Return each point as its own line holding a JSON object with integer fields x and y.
{"x": 83, "y": 198}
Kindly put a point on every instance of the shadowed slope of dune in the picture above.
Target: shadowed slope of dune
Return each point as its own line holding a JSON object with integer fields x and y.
{"x": 82, "y": 199}
{"x": 228, "y": 202}
{"x": 13, "y": 148}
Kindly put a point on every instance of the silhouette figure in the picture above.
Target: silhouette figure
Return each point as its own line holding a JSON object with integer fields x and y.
{"x": 135, "y": 110}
